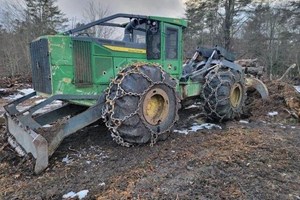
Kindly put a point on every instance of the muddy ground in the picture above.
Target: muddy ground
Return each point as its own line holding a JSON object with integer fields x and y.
{"x": 255, "y": 160}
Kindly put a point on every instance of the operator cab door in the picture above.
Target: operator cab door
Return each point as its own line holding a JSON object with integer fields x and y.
{"x": 171, "y": 49}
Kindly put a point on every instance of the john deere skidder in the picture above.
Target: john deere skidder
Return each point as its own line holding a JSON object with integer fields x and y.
{"x": 135, "y": 85}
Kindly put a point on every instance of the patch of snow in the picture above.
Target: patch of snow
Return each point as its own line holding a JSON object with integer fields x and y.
{"x": 26, "y": 91}
{"x": 283, "y": 127}
{"x": 191, "y": 106}
{"x": 67, "y": 160}
{"x": 88, "y": 162}
{"x": 181, "y": 131}
{"x": 22, "y": 108}
{"x": 293, "y": 127}
{"x": 101, "y": 184}
{"x": 13, "y": 97}
{"x": 272, "y": 114}
{"x": 80, "y": 195}
{"x": 47, "y": 125}
{"x": 53, "y": 105}
{"x": 197, "y": 127}
{"x": 39, "y": 101}
{"x": 297, "y": 87}
{"x": 244, "y": 122}
{"x": 2, "y": 89}
{"x": 20, "y": 94}
{"x": 69, "y": 195}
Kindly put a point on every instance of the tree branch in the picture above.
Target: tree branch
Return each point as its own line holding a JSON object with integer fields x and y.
{"x": 287, "y": 71}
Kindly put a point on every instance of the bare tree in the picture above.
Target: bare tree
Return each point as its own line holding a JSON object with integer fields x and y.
{"x": 14, "y": 43}
{"x": 94, "y": 11}
{"x": 219, "y": 19}
{"x": 19, "y": 25}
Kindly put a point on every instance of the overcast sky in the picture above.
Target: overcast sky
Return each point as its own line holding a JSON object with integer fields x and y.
{"x": 167, "y": 8}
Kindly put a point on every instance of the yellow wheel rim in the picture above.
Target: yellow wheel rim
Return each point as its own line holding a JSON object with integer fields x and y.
{"x": 156, "y": 106}
{"x": 236, "y": 95}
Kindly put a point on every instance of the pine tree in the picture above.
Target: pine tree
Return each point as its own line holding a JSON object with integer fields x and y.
{"x": 45, "y": 17}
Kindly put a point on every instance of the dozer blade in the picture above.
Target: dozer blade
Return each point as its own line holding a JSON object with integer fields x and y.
{"x": 257, "y": 84}
{"x": 27, "y": 135}
{"x": 29, "y": 141}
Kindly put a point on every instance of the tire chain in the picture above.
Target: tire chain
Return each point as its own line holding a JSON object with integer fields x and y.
{"x": 108, "y": 110}
{"x": 213, "y": 108}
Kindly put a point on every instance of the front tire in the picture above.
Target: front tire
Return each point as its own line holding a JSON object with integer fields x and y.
{"x": 141, "y": 105}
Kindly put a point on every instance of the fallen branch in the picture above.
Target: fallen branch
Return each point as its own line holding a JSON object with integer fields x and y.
{"x": 1, "y": 149}
{"x": 293, "y": 114}
{"x": 287, "y": 71}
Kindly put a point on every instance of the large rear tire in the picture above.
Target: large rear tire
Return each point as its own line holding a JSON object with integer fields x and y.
{"x": 224, "y": 94}
{"x": 141, "y": 105}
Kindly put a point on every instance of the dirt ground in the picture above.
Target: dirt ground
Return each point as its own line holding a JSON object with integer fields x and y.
{"x": 258, "y": 158}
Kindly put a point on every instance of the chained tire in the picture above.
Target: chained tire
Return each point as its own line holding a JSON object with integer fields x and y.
{"x": 141, "y": 105}
{"x": 224, "y": 94}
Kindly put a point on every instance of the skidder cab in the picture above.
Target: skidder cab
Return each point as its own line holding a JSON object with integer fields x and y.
{"x": 134, "y": 84}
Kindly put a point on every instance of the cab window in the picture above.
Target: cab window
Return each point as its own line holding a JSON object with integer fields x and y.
{"x": 171, "y": 43}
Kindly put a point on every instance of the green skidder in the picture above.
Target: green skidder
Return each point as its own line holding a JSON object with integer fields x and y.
{"x": 136, "y": 84}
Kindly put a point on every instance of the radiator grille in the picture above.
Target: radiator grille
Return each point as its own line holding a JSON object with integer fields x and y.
{"x": 82, "y": 63}
{"x": 41, "y": 76}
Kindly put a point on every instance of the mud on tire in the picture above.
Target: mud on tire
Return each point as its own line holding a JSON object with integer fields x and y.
{"x": 141, "y": 105}
{"x": 224, "y": 94}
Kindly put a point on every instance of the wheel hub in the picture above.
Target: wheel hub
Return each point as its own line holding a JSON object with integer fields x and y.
{"x": 236, "y": 95}
{"x": 155, "y": 106}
